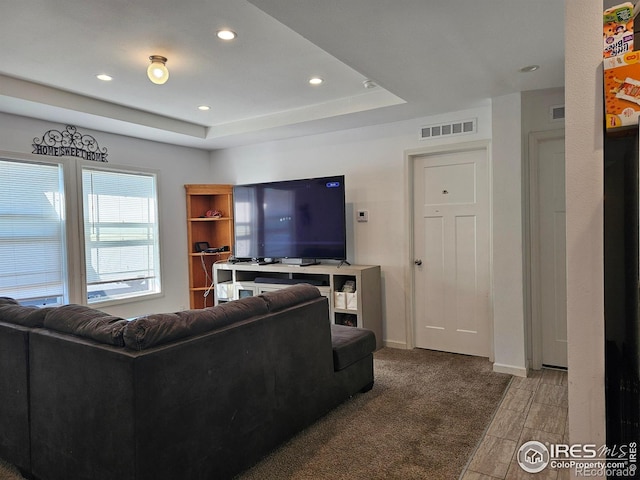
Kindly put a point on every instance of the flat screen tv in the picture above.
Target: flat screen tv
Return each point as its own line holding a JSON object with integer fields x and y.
{"x": 293, "y": 219}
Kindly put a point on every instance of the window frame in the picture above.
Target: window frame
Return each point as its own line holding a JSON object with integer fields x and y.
{"x": 80, "y": 166}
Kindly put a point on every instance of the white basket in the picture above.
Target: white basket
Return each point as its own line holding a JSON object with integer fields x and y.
{"x": 352, "y": 301}
{"x": 340, "y": 300}
{"x": 224, "y": 291}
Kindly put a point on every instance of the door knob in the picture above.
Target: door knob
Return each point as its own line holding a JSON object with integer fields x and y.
{"x": 418, "y": 262}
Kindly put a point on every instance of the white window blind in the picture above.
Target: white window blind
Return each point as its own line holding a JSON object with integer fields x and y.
{"x": 32, "y": 240}
{"x": 121, "y": 234}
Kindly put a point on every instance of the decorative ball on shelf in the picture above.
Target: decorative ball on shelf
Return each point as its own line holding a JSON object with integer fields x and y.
{"x": 213, "y": 214}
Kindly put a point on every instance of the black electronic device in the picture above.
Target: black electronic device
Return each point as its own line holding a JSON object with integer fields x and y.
{"x": 201, "y": 246}
{"x": 292, "y": 219}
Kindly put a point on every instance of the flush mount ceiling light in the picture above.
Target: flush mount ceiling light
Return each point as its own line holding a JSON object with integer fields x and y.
{"x": 315, "y": 80}
{"x": 157, "y": 71}
{"x": 226, "y": 34}
{"x": 529, "y": 68}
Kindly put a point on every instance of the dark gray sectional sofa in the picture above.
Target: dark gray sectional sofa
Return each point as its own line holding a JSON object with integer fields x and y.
{"x": 198, "y": 394}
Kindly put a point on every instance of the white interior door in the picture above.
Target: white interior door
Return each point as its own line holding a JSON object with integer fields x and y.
{"x": 549, "y": 302}
{"x": 451, "y": 245}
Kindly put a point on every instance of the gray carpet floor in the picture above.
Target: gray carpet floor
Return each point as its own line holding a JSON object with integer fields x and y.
{"x": 423, "y": 419}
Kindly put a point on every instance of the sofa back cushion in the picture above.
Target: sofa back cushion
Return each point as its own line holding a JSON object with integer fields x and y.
{"x": 160, "y": 328}
{"x": 12, "y": 312}
{"x": 290, "y": 296}
{"x": 86, "y": 322}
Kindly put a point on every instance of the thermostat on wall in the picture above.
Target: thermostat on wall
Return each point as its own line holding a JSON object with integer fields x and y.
{"x": 363, "y": 215}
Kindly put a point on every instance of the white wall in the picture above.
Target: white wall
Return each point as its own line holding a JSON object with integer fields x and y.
{"x": 507, "y": 259}
{"x": 536, "y": 114}
{"x": 176, "y": 166}
{"x": 584, "y": 190}
{"x": 373, "y": 161}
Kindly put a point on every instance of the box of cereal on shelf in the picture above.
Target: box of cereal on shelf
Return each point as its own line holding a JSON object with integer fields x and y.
{"x": 617, "y": 30}
{"x": 622, "y": 90}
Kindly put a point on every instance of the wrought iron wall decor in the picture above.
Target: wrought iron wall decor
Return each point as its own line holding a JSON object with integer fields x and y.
{"x": 69, "y": 143}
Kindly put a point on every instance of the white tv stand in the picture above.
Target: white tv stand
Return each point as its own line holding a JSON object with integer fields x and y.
{"x": 362, "y": 309}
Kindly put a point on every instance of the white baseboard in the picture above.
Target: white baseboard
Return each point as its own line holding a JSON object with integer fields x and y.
{"x": 393, "y": 344}
{"x": 510, "y": 369}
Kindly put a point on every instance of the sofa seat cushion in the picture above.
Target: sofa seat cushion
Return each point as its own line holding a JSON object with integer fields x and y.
{"x": 350, "y": 344}
{"x": 160, "y": 328}
{"x": 86, "y": 322}
{"x": 290, "y": 296}
{"x": 12, "y": 312}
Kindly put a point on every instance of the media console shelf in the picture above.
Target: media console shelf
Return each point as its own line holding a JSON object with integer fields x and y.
{"x": 362, "y": 308}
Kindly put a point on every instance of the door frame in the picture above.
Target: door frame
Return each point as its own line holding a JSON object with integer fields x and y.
{"x": 409, "y": 250}
{"x": 532, "y": 246}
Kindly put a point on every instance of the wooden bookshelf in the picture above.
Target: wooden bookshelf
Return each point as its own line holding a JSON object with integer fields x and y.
{"x": 202, "y": 201}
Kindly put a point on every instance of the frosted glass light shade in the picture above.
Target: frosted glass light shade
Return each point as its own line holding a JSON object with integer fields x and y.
{"x": 157, "y": 71}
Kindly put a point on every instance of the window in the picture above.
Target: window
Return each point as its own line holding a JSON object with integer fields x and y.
{"x": 32, "y": 233}
{"x": 120, "y": 234}
{"x": 43, "y": 260}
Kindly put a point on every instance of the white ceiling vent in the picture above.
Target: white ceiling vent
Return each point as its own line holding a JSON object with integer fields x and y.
{"x": 556, "y": 112}
{"x": 459, "y": 127}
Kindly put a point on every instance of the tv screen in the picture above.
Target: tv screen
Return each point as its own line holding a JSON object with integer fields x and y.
{"x": 291, "y": 219}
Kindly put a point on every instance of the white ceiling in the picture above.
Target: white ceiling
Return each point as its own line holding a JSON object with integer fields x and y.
{"x": 426, "y": 56}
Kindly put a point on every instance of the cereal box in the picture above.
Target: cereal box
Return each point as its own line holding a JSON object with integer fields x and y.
{"x": 617, "y": 30}
{"x": 622, "y": 90}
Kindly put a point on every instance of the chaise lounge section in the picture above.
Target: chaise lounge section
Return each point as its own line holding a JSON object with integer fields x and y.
{"x": 198, "y": 394}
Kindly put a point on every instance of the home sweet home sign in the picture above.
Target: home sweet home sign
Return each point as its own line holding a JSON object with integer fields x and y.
{"x": 69, "y": 143}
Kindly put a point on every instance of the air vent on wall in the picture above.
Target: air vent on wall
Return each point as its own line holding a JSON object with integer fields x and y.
{"x": 448, "y": 129}
{"x": 556, "y": 113}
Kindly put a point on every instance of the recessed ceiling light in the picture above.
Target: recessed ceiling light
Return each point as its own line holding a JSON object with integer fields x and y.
{"x": 226, "y": 34}
{"x": 104, "y": 77}
{"x": 369, "y": 84}
{"x": 204, "y": 108}
{"x": 315, "y": 80}
{"x": 529, "y": 68}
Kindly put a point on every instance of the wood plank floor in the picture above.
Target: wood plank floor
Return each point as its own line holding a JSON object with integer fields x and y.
{"x": 534, "y": 408}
